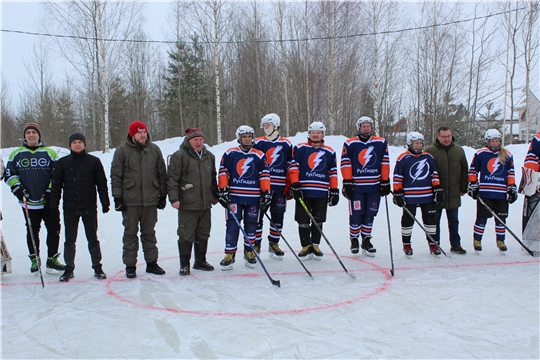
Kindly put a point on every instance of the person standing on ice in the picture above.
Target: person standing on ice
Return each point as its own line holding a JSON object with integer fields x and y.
{"x": 416, "y": 184}
{"x": 452, "y": 168}
{"x": 192, "y": 188}
{"x": 314, "y": 179}
{"x": 243, "y": 190}
{"x": 277, "y": 150}
{"x": 139, "y": 189}
{"x": 77, "y": 176}
{"x": 365, "y": 170}
{"x": 29, "y": 173}
{"x": 491, "y": 177}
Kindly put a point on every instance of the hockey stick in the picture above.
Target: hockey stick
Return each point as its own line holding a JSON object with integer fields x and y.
{"x": 274, "y": 282}
{"x": 389, "y": 235}
{"x": 324, "y": 236}
{"x": 281, "y": 235}
{"x": 532, "y": 253}
{"x": 29, "y": 224}
{"x": 423, "y": 228}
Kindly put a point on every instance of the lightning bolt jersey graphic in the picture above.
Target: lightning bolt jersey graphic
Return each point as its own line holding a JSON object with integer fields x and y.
{"x": 243, "y": 167}
{"x": 315, "y": 160}
{"x": 273, "y": 156}
{"x": 492, "y": 175}
{"x": 494, "y": 166}
{"x": 367, "y": 157}
{"x": 419, "y": 171}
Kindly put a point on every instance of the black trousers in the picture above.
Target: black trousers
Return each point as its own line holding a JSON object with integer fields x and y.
{"x": 317, "y": 207}
{"x": 71, "y": 224}
{"x": 52, "y": 223}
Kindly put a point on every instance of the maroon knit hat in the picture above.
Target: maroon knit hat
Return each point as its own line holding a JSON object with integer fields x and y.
{"x": 32, "y": 126}
{"x": 193, "y": 133}
{"x": 136, "y": 126}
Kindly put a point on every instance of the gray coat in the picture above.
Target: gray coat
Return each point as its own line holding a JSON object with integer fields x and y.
{"x": 452, "y": 167}
{"x": 192, "y": 180}
{"x": 138, "y": 173}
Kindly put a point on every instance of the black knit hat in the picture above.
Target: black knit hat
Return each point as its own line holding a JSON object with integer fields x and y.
{"x": 77, "y": 136}
{"x": 33, "y": 126}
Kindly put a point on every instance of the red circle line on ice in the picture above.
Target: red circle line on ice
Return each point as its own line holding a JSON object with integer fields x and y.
{"x": 380, "y": 288}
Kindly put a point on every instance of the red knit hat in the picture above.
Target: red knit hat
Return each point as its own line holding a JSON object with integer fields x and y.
{"x": 136, "y": 126}
{"x": 193, "y": 133}
{"x": 32, "y": 126}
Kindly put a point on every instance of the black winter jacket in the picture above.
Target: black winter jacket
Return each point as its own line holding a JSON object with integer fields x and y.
{"x": 79, "y": 175}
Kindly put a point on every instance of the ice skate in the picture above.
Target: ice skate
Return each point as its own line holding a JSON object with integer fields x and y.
{"x": 228, "y": 262}
{"x": 367, "y": 247}
{"x": 274, "y": 251}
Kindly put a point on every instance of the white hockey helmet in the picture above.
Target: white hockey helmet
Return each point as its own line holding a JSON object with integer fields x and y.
{"x": 364, "y": 119}
{"x": 316, "y": 125}
{"x": 412, "y": 136}
{"x": 244, "y": 129}
{"x": 271, "y": 118}
{"x": 492, "y": 134}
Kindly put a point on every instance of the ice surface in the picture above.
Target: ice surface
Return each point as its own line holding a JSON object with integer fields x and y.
{"x": 471, "y": 306}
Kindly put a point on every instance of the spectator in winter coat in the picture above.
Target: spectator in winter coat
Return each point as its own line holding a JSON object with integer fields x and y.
{"x": 243, "y": 189}
{"x": 452, "y": 168}
{"x": 29, "y": 173}
{"x": 314, "y": 179}
{"x": 78, "y": 175}
{"x": 491, "y": 178}
{"x": 192, "y": 188}
{"x": 366, "y": 170}
{"x": 416, "y": 184}
{"x": 139, "y": 188}
{"x": 278, "y": 151}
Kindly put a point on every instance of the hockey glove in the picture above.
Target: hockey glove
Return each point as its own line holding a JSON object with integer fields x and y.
{"x": 119, "y": 204}
{"x": 399, "y": 198}
{"x": 348, "y": 189}
{"x": 333, "y": 197}
{"x": 265, "y": 201}
{"x": 296, "y": 191}
{"x": 473, "y": 190}
{"x": 385, "y": 187}
{"x": 512, "y": 194}
{"x": 46, "y": 198}
{"x": 438, "y": 196}
{"x": 224, "y": 198}
{"x": 162, "y": 202}
{"x": 20, "y": 192}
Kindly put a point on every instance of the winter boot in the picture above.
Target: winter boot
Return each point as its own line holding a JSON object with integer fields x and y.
{"x": 200, "y": 257}
{"x": 154, "y": 268}
{"x": 458, "y": 250}
{"x": 257, "y": 247}
{"x": 316, "y": 251}
{"x": 68, "y": 274}
{"x": 274, "y": 251}
{"x": 227, "y": 262}
{"x": 502, "y": 246}
{"x": 477, "y": 245}
{"x": 434, "y": 249}
{"x": 184, "y": 249}
{"x": 35, "y": 264}
{"x": 306, "y": 253}
{"x": 355, "y": 245}
{"x": 54, "y": 267}
{"x": 367, "y": 247}
{"x": 98, "y": 272}
{"x": 407, "y": 249}
{"x": 131, "y": 272}
{"x": 250, "y": 258}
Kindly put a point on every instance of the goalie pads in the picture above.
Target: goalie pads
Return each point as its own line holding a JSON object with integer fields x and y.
{"x": 6, "y": 258}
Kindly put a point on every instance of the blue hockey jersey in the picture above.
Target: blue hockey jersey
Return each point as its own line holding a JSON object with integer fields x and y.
{"x": 532, "y": 159}
{"x": 416, "y": 175}
{"x": 492, "y": 176}
{"x": 278, "y": 154}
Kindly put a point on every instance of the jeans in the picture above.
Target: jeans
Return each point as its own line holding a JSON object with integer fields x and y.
{"x": 453, "y": 226}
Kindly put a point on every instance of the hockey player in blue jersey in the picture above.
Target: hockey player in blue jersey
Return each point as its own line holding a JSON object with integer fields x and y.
{"x": 416, "y": 184}
{"x": 365, "y": 169}
{"x": 313, "y": 175}
{"x": 277, "y": 150}
{"x": 491, "y": 177}
{"x": 243, "y": 189}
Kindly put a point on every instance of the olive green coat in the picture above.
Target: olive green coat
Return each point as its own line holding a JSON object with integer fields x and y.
{"x": 192, "y": 180}
{"x": 452, "y": 168}
{"x": 138, "y": 174}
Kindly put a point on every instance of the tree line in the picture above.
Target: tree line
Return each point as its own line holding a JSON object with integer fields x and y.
{"x": 226, "y": 64}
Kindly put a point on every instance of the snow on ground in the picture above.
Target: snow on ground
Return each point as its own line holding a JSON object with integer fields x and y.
{"x": 471, "y": 306}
